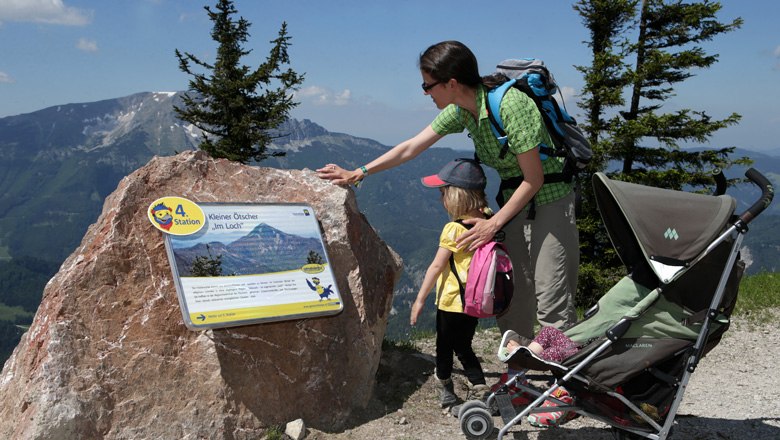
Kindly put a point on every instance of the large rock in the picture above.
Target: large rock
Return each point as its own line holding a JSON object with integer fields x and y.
{"x": 108, "y": 355}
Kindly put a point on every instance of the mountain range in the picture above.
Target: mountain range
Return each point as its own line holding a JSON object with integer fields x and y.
{"x": 265, "y": 249}
{"x": 58, "y": 164}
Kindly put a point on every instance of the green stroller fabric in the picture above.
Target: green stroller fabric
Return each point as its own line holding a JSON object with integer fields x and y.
{"x": 628, "y": 299}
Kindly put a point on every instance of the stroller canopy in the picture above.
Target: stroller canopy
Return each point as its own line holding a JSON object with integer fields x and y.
{"x": 667, "y": 229}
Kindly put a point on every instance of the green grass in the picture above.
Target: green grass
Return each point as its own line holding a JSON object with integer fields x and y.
{"x": 407, "y": 344}
{"x": 11, "y": 313}
{"x": 274, "y": 433}
{"x": 758, "y": 295}
{"x": 4, "y": 255}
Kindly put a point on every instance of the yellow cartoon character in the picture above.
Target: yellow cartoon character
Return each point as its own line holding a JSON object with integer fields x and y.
{"x": 323, "y": 292}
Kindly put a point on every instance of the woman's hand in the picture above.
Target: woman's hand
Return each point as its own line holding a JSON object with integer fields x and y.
{"x": 482, "y": 232}
{"x": 338, "y": 175}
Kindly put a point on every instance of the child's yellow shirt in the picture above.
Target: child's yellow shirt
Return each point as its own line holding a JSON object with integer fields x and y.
{"x": 447, "y": 288}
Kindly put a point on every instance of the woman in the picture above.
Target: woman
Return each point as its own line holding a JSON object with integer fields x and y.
{"x": 545, "y": 248}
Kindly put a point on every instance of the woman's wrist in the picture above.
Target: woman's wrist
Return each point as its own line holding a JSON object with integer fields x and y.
{"x": 495, "y": 224}
{"x": 359, "y": 174}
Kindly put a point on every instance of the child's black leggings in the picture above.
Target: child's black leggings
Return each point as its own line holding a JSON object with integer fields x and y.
{"x": 454, "y": 333}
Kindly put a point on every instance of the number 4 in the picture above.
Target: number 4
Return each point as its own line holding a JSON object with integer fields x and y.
{"x": 180, "y": 211}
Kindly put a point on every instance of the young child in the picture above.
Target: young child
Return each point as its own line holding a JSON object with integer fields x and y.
{"x": 462, "y": 185}
{"x": 552, "y": 345}
{"x": 549, "y": 344}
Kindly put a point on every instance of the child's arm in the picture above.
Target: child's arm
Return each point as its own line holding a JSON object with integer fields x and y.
{"x": 440, "y": 261}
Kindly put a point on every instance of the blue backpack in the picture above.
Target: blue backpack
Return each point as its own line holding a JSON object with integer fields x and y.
{"x": 531, "y": 76}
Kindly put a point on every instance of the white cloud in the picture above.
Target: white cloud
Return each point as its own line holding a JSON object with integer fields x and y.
{"x": 5, "y": 78}
{"x": 569, "y": 94}
{"x": 87, "y": 45}
{"x": 321, "y": 96}
{"x": 43, "y": 11}
{"x": 342, "y": 98}
{"x": 570, "y": 98}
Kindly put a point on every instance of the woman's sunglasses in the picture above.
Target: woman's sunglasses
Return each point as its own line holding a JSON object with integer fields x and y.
{"x": 427, "y": 87}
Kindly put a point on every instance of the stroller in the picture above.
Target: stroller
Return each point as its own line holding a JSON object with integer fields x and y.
{"x": 642, "y": 341}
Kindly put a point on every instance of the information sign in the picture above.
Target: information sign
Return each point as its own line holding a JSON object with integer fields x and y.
{"x": 252, "y": 263}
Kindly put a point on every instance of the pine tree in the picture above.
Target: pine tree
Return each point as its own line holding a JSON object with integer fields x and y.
{"x": 314, "y": 258}
{"x": 626, "y": 86}
{"x": 233, "y": 105}
{"x": 605, "y": 80}
{"x": 666, "y": 51}
{"x": 207, "y": 266}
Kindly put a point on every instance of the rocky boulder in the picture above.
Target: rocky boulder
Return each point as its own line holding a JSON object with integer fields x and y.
{"x": 109, "y": 357}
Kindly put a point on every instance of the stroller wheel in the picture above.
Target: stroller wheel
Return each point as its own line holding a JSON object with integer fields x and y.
{"x": 476, "y": 423}
{"x": 468, "y": 405}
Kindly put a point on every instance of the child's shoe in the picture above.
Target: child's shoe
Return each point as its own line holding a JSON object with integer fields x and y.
{"x": 554, "y": 418}
{"x": 479, "y": 392}
{"x": 447, "y": 395}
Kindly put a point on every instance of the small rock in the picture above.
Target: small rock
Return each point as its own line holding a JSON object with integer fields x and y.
{"x": 296, "y": 429}
{"x": 403, "y": 421}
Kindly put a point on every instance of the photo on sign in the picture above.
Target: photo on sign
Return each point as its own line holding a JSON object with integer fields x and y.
{"x": 253, "y": 263}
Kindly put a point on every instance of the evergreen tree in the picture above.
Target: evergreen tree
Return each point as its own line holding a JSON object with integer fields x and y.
{"x": 314, "y": 258}
{"x": 626, "y": 86}
{"x": 234, "y": 106}
{"x": 605, "y": 80}
{"x": 207, "y": 266}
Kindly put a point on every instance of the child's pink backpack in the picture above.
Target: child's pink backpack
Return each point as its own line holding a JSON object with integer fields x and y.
{"x": 490, "y": 284}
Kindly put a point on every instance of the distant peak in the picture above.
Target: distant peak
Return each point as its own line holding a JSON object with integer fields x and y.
{"x": 264, "y": 229}
{"x": 294, "y": 129}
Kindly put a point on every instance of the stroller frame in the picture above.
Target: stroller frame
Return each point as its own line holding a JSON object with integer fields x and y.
{"x": 476, "y": 418}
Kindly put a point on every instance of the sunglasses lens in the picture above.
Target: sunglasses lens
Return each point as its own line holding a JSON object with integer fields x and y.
{"x": 428, "y": 87}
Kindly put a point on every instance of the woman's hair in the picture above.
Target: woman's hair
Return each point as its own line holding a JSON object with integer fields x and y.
{"x": 451, "y": 59}
{"x": 460, "y": 201}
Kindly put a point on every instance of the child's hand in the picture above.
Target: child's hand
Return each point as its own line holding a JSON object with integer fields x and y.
{"x": 417, "y": 307}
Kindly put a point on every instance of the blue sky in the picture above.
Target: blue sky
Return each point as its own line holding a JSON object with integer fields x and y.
{"x": 359, "y": 56}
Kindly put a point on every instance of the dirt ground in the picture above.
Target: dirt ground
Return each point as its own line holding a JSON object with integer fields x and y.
{"x": 733, "y": 395}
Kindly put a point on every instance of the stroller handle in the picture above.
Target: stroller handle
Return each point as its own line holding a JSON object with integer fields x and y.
{"x": 767, "y": 194}
{"x": 720, "y": 182}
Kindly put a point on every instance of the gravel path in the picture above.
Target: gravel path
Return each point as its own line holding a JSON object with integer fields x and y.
{"x": 731, "y": 396}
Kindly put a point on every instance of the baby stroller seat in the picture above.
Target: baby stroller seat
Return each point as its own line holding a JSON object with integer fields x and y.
{"x": 644, "y": 338}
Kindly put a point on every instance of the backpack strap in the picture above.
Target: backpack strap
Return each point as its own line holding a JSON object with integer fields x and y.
{"x": 494, "y": 97}
{"x": 462, "y": 288}
{"x": 514, "y": 183}
{"x": 454, "y": 269}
